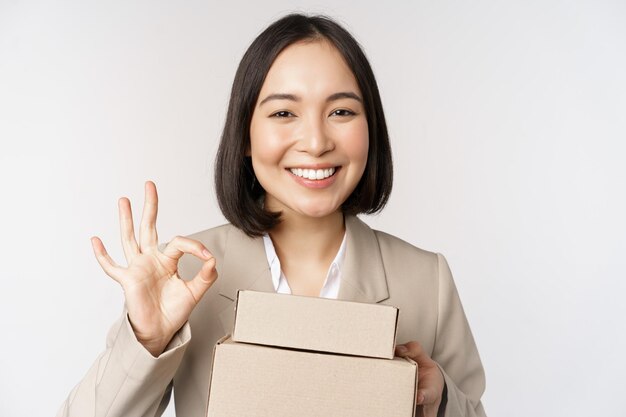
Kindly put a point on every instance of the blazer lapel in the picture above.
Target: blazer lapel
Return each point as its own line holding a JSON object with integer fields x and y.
{"x": 244, "y": 267}
{"x": 363, "y": 274}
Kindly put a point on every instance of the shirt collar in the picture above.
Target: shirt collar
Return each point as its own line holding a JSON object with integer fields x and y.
{"x": 334, "y": 271}
{"x": 272, "y": 260}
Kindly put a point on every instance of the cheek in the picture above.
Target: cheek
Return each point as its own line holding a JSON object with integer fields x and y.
{"x": 356, "y": 143}
{"x": 266, "y": 143}
{"x": 268, "y": 148}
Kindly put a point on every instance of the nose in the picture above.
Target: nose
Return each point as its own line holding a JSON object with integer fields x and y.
{"x": 315, "y": 139}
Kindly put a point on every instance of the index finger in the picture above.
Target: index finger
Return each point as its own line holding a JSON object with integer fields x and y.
{"x": 180, "y": 245}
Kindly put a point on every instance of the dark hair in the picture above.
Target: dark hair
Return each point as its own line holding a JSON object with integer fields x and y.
{"x": 238, "y": 192}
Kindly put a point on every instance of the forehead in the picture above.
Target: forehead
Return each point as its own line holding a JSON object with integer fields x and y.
{"x": 309, "y": 68}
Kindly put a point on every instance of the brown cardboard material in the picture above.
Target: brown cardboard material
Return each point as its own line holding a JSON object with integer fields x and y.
{"x": 263, "y": 381}
{"x": 313, "y": 323}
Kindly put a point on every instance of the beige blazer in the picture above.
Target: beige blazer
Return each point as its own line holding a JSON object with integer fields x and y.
{"x": 126, "y": 380}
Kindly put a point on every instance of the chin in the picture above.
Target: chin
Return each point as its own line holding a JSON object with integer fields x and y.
{"x": 318, "y": 212}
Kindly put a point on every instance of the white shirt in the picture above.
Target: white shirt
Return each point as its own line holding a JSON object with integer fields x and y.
{"x": 330, "y": 289}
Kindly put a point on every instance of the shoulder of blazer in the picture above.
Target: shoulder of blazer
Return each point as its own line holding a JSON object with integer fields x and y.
{"x": 393, "y": 246}
{"x": 406, "y": 265}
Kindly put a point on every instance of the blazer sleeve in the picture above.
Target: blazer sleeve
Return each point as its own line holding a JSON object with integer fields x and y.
{"x": 455, "y": 352}
{"x": 126, "y": 380}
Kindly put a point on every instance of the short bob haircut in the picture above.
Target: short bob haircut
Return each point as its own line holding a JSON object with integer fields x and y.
{"x": 238, "y": 193}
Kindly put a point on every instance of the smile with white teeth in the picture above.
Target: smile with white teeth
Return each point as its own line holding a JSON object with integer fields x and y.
{"x": 313, "y": 174}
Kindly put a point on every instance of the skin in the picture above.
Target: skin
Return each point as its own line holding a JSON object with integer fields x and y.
{"x": 308, "y": 131}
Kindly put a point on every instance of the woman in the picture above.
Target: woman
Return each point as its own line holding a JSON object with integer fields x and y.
{"x": 304, "y": 149}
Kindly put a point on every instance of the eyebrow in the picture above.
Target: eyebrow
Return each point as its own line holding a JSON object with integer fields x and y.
{"x": 293, "y": 97}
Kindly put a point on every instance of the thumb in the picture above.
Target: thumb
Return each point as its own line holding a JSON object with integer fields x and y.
{"x": 203, "y": 279}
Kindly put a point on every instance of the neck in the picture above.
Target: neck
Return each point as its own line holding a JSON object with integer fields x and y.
{"x": 308, "y": 239}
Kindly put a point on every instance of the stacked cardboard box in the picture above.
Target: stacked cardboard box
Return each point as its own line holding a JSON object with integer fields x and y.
{"x": 307, "y": 356}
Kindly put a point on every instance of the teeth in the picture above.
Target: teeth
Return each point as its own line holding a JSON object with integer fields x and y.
{"x": 313, "y": 174}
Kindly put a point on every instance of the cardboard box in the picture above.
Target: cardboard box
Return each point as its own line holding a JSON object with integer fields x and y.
{"x": 263, "y": 381}
{"x": 314, "y": 323}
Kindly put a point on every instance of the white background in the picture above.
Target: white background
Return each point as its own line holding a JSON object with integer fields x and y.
{"x": 507, "y": 122}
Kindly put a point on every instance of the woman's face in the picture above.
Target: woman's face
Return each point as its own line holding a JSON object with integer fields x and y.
{"x": 308, "y": 134}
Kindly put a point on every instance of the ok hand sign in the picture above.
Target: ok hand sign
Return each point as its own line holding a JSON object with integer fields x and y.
{"x": 158, "y": 301}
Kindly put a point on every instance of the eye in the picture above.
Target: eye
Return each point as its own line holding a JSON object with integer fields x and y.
{"x": 282, "y": 114}
{"x": 343, "y": 112}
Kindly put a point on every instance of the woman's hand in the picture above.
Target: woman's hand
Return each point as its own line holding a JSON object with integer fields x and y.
{"x": 430, "y": 380}
{"x": 157, "y": 300}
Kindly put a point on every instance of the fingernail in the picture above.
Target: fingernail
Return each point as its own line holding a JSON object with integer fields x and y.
{"x": 401, "y": 349}
{"x": 420, "y": 398}
{"x": 206, "y": 253}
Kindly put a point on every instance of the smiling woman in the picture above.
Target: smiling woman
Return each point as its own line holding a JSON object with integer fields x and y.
{"x": 304, "y": 150}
